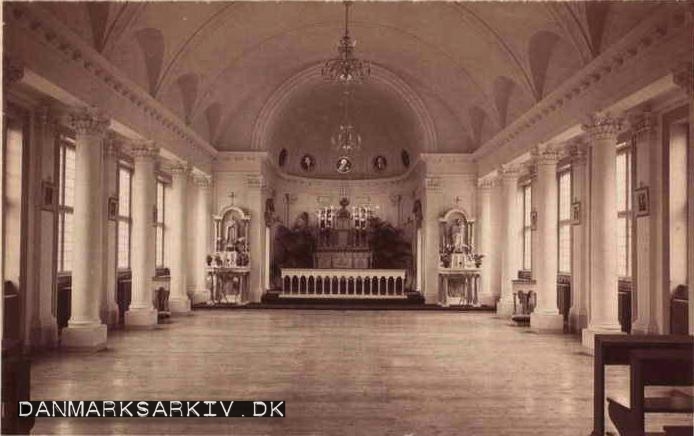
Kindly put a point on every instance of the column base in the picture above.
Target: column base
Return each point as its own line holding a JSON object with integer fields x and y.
{"x": 504, "y": 308}
{"x": 179, "y": 306}
{"x": 546, "y": 322}
{"x": 200, "y": 297}
{"x": 110, "y": 316}
{"x": 487, "y": 300}
{"x": 141, "y": 318}
{"x": 83, "y": 337}
{"x": 588, "y": 334}
{"x": 577, "y": 321}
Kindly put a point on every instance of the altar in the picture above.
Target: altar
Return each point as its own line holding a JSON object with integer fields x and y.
{"x": 343, "y": 238}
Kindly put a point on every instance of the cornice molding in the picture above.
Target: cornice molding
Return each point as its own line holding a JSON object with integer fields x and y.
{"x": 683, "y": 76}
{"x": 616, "y": 58}
{"x": 49, "y": 31}
{"x": 12, "y": 71}
{"x": 144, "y": 150}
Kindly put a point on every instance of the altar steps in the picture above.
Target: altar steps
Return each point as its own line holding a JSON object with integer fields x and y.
{"x": 341, "y": 305}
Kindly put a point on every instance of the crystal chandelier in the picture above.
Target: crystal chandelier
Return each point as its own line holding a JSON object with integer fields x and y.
{"x": 346, "y": 139}
{"x": 345, "y": 68}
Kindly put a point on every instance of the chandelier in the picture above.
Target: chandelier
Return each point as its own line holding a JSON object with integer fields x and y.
{"x": 345, "y": 68}
{"x": 346, "y": 139}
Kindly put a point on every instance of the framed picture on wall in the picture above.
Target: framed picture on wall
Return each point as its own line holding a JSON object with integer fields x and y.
{"x": 641, "y": 201}
{"x": 112, "y": 208}
{"x": 576, "y": 212}
{"x": 48, "y": 196}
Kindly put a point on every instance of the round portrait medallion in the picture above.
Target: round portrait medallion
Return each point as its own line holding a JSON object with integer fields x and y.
{"x": 380, "y": 163}
{"x": 343, "y": 165}
{"x": 308, "y": 162}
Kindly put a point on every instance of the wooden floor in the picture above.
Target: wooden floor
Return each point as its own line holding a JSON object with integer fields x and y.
{"x": 340, "y": 372}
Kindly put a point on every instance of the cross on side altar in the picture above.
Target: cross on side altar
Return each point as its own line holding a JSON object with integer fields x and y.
{"x": 457, "y": 201}
{"x": 232, "y": 196}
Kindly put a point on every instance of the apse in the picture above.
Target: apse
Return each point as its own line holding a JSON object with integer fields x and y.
{"x": 299, "y": 136}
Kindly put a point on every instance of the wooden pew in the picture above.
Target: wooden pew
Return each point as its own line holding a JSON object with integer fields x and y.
{"x": 658, "y": 367}
{"x": 615, "y": 350}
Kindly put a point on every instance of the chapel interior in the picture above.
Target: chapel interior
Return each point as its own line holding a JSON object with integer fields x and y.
{"x": 479, "y": 219}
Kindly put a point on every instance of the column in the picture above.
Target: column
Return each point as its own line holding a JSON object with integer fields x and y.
{"x": 546, "y": 316}
{"x": 511, "y": 243}
{"x": 433, "y": 205}
{"x": 255, "y": 184}
{"x": 580, "y": 246}
{"x": 142, "y": 312}
{"x": 683, "y": 77}
{"x": 602, "y": 132}
{"x": 85, "y": 330}
{"x": 489, "y": 241}
{"x": 179, "y": 303}
{"x": 203, "y": 219}
{"x": 109, "y": 307}
{"x": 643, "y": 127}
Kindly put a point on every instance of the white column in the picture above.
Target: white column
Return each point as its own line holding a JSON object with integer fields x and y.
{"x": 546, "y": 316}
{"x": 141, "y": 312}
{"x": 510, "y": 246}
{"x": 203, "y": 220}
{"x": 179, "y": 303}
{"x": 580, "y": 246}
{"x": 255, "y": 184}
{"x": 602, "y": 131}
{"x": 420, "y": 266}
{"x": 85, "y": 330}
{"x": 432, "y": 240}
{"x": 489, "y": 244}
{"x": 109, "y": 307}
{"x": 645, "y": 142}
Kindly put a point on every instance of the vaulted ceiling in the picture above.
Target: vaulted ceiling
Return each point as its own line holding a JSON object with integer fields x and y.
{"x": 449, "y": 75}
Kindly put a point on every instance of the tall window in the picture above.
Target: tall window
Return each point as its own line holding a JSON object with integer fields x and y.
{"x": 527, "y": 227}
{"x": 159, "y": 247}
{"x": 124, "y": 217}
{"x": 564, "y": 249}
{"x": 66, "y": 202}
{"x": 624, "y": 186}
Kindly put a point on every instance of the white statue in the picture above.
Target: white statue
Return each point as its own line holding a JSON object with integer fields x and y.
{"x": 232, "y": 233}
{"x": 458, "y": 236}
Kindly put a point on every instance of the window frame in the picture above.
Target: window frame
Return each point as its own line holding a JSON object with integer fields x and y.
{"x": 526, "y": 226}
{"x": 123, "y": 165}
{"x": 160, "y": 222}
{"x": 567, "y": 221}
{"x": 625, "y": 148}
{"x": 65, "y": 141}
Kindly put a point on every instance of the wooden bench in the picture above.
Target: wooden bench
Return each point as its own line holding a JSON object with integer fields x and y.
{"x": 653, "y": 368}
{"x": 616, "y": 350}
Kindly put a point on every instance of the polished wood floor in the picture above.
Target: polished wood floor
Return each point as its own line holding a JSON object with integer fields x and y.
{"x": 340, "y": 372}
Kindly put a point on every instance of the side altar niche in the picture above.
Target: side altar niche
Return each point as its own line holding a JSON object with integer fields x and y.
{"x": 459, "y": 264}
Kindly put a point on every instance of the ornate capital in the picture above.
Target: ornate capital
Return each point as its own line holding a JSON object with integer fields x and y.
{"x": 12, "y": 71}
{"x": 180, "y": 168}
{"x": 578, "y": 152}
{"x": 144, "y": 150}
{"x": 547, "y": 155}
{"x": 682, "y": 76}
{"x": 603, "y": 127}
{"x": 488, "y": 183}
{"x": 509, "y": 172}
{"x": 255, "y": 181}
{"x": 202, "y": 181}
{"x": 432, "y": 183}
{"x": 88, "y": 122}
{"x": 112, "y": 145}
{"x": 642, "y": 123}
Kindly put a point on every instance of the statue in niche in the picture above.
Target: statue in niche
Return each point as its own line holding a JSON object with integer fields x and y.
{"x": 270, "y": 212}
{"x": 457, "y": 238}
{"x": 231, "y": 234}
{"x": 417, "y": 212}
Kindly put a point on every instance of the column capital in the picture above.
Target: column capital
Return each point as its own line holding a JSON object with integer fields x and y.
{"x": 488, "y": 182}
{"x": 12, "y": 71}
{"x": 48, "y": 115}
{"x": 642, "y": 123}
{"x": 144, "y": 150}
{"x": 89, "y": 122}
{"x": 255, "y": 181}
{"x": 509, "y": 172}
{"x": 113, "y": 144}
{"x": 602, "y": 126}
{"x": 546, "y": 155}
{"x": 179, "y": 168}
{"x": 202, "y": 181}
{"x": 578, "y": 151}
{"x": 432, "y": 184}
{"x": 682, "y": 75}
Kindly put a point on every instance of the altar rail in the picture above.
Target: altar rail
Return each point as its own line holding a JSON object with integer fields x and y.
{"x": 343, "y": 283}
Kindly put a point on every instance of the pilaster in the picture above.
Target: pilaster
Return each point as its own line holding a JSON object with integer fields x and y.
{"x": 579, "y": 153}
{"x": 179, "y": 303}
{"x": 203, "y": 219}
{"x": 510, "y": 257}
{"x": 490, "y": 239}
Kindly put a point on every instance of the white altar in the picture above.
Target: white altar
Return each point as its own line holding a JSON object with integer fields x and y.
{"x": 343, "y": 283}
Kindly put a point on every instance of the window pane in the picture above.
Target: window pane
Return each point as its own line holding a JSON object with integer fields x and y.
{"x": 123, "y": 244}
{"x": 527, "y": 249}
{"x": 565, "y": 248}
{"x": 160, "y": 246}
{"x": 69, "y": 177}
{"x": 160, "y": 202}
{"x": 67, "y": 242}
{"x": 527, "y": 204}
{"x": 622, "y": 246}
{"x": 565, "y": 195}
{"x": 60, "y": 244}
{"x": 124, "y": 192}
{"x": 621, "y": 181}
